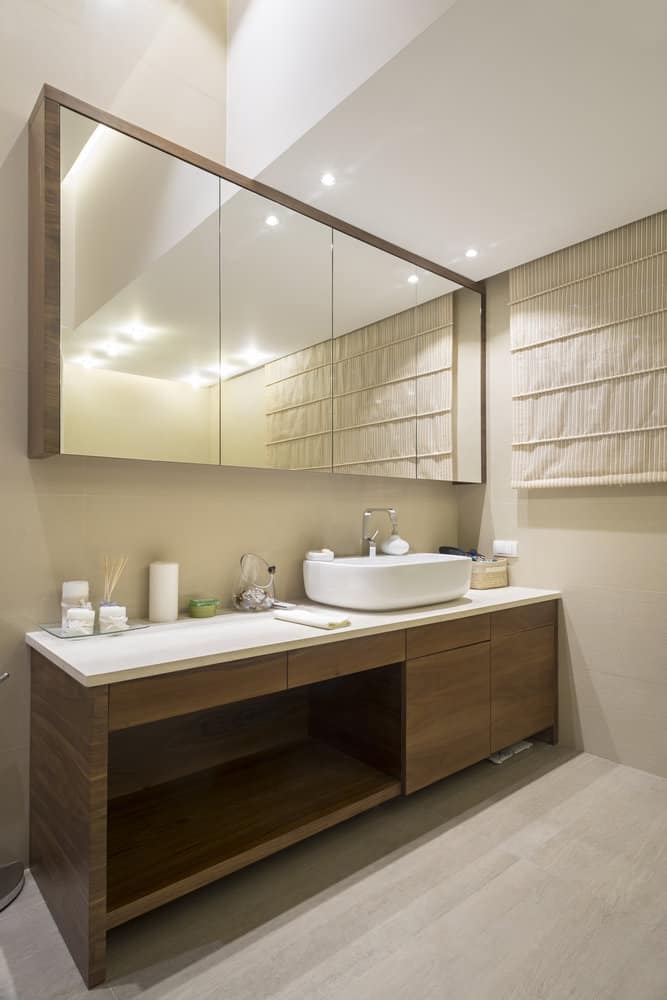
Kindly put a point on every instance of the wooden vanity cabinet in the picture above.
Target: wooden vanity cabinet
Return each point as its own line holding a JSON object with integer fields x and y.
{"x": 447, "y": 713}
{"x": 144, "y": 790}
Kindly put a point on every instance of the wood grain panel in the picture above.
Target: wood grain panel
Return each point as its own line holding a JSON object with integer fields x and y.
{"x": 426, "y": 639}
{"x": 514, "y": 620}
{"x": 133, "y": 703}
{"x": 171, "y": 839}
{"x": 447, "y": 713}
{"x": 68, "y": 809}
{"x": 148, "y": 755}
{"x": 523, "y": 685}
{"x": 361, "y": 714}
{"x": 44, "y": 280}
{"x": 336, "y": 659}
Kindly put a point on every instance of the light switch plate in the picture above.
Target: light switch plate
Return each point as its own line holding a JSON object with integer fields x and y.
{"x": 505, "y": 547}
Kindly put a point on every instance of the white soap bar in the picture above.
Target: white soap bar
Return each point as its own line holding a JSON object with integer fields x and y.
{"x": 113, "y": 618}
{"x": 320, "y": 555}
{"x": 163, "y": 592}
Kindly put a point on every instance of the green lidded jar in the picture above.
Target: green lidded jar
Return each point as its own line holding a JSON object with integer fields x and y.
{"x": 204, "y": 607}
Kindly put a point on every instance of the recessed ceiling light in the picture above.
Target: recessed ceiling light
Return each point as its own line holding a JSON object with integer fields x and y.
{"x": 271, "y": 220}
{"x": 328, "y": 180}
{"x": 112, "y": 348}
{"x": 472, "y": 252}
{"x": 137, "y": 331}
{"x": 224, "y": 370}
{"x": 413, "y": 279}
{"x": 196, "y": 381}
{"x": 87, "y": 361}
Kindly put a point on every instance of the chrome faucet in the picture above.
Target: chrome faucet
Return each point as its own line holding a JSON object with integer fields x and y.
{"x": 366, "y": 537}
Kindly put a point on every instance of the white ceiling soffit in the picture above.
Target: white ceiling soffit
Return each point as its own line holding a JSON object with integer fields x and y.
{"x": 514, "y": 127}
{"x": 289, "y": 62}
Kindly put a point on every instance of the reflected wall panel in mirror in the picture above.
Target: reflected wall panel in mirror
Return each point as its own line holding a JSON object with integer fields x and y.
{"x": 275, "y": 282}
{"x": 407, "y": 378}
{"x": 374, "y": 362}
{"x": 140, "y": 346}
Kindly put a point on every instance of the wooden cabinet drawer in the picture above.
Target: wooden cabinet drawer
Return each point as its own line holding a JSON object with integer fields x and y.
{"x": 447, "y": 713}
{"x": 523, "y": 685}
{"x": 515, "y": 620}
{"x": 131, "y": 703}
{"x": 320, "y": 663}
{"x": 426, "y": 639}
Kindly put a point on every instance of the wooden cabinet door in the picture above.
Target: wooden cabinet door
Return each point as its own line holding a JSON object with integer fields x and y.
{"x": 447, "y": 713}
{"x": 523, "y": 685}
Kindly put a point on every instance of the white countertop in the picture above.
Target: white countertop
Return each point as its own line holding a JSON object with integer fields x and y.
{"x": 199, "y": 642}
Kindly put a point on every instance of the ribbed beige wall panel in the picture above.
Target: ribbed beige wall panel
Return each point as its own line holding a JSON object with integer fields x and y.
{"x": 299, "y": 420}
{"x": 640, "y": 239}
{"x": 589, "y": 349}
{"x": 302, "y": 453}
{"x": 404, "y": 468}
{"x": 393, "y": 440}
{"x": 299, "y": 389}
{"x": 633, "y": 346}
{"x": 438, "y": 467}
{"x": 318, "y": 356}
{"x": 382, "y": 376}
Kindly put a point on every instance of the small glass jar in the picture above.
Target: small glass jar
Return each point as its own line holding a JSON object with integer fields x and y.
{"x": 255, "y": 590}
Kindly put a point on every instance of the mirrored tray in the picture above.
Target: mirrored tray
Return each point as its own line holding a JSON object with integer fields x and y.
{"x": 60, "y": 632}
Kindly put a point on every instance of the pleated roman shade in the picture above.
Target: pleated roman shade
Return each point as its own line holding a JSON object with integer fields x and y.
{"x": 382, "y": 395}
{"x": 589, "y": 361}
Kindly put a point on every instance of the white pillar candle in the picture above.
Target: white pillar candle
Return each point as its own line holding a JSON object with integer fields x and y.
{"x": 163, "y": 592}
{"x": 75, "y": 594}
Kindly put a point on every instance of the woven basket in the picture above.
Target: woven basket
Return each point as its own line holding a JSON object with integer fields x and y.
{"x": 489, "y": 573}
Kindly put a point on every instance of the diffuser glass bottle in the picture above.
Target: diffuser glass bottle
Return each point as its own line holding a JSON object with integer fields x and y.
{"x": 113, "y": 616}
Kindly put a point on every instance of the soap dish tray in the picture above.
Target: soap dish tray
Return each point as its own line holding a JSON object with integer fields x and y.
{"x": 61, "y": 633}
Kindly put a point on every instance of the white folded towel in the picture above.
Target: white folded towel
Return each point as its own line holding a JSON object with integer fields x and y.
{"x": 316, "y": 619}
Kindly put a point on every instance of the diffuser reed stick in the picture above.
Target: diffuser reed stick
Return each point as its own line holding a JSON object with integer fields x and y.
{"x": 113, "y": 570}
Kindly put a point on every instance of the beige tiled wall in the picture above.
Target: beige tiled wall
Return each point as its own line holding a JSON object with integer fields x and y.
{"x": 57, "y": 517}
{"x": 606, "y": 549}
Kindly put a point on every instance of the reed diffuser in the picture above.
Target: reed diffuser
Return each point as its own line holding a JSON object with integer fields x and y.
{"x": 113, "y": 617}
{"x": 113, "y": 570}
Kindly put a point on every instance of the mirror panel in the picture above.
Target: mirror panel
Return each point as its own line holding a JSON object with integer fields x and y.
{"x": 449, "y": 381}
{"x": 275, "y": 280}
{"x": 140, "y": 346}
{"x": 374, "y": 377}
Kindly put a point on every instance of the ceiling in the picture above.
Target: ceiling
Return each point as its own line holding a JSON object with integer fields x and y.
{"x": 515, "y": 127}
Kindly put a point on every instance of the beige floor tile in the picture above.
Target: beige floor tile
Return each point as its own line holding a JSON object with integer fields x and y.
{"x": 34, "y": 961}
{"x": 542, "y": 879}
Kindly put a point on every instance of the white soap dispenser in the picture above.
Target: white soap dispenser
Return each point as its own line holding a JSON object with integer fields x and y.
{"x": 395, "y": 545}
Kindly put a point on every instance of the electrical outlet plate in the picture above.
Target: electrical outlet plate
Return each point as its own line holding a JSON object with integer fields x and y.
{"x": 505, "y": 547}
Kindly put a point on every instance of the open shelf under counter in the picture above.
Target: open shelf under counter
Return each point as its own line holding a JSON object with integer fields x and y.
{"x": 169, "y": 839}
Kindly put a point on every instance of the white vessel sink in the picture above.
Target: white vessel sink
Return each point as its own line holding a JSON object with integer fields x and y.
{"x": 387, "y": 583}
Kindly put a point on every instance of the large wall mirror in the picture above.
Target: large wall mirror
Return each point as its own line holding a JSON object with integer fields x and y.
{"x": 204, "y": 318}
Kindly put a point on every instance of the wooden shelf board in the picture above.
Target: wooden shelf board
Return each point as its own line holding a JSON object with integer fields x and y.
{"x": 172, "y": 838}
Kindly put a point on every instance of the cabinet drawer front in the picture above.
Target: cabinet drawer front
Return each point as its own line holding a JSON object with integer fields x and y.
{"x": 320, "y": 663}
{"x": 447, "y": 713}
{"x": 131, "y": 703}
{"x": 426, "y": 639}
{"x": 515, "y": 620}
{"x": 523, "y": 685}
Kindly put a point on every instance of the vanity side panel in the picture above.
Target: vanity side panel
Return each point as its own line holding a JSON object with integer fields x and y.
{"x": 68, "y": 809}
{"x": 44, "y": 280}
